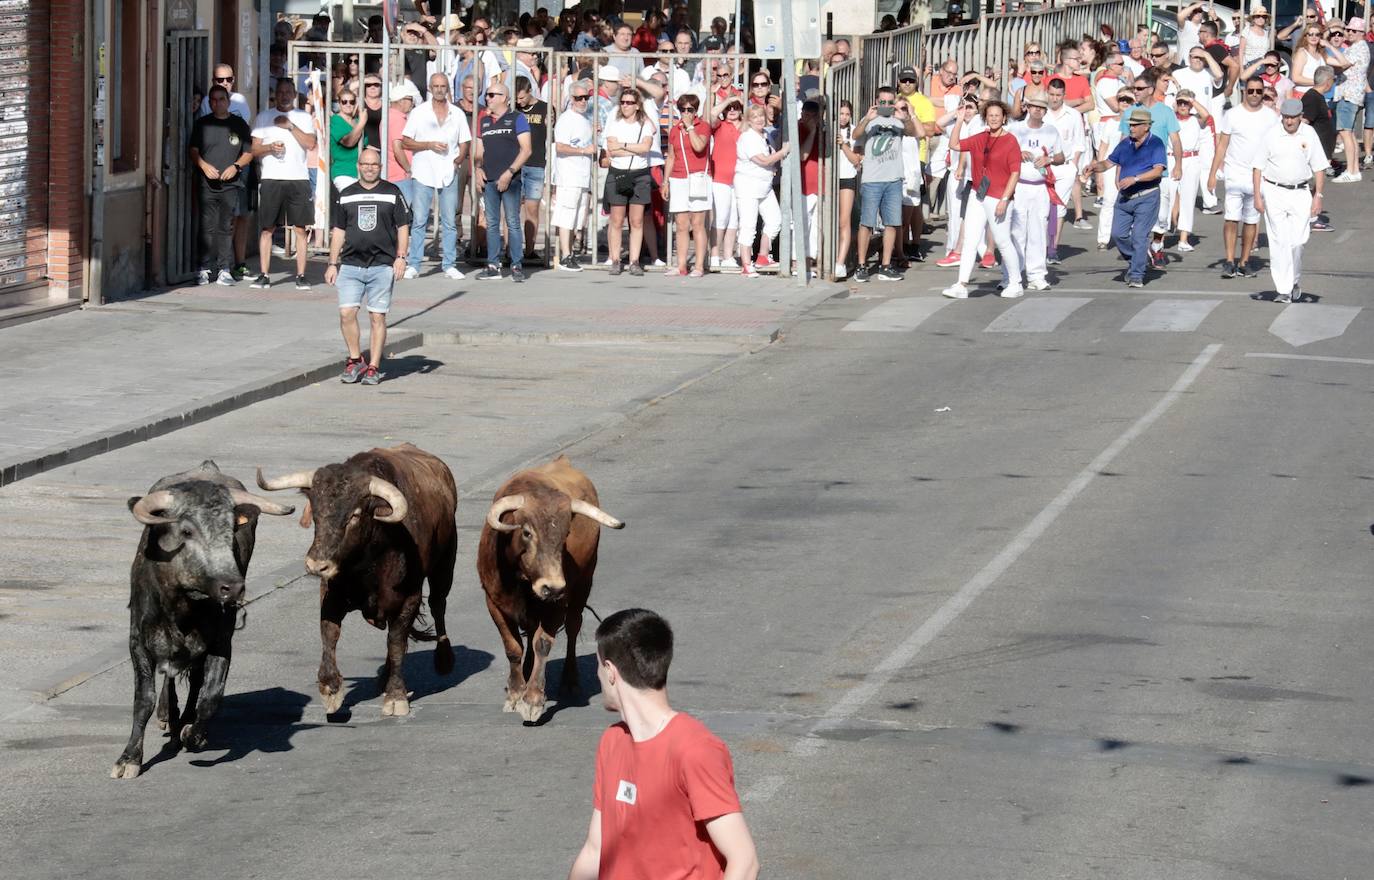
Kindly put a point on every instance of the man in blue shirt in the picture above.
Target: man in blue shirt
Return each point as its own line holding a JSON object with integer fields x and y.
{"x": 1151, "y": 91}
{"x": 503, "y": 148}
{"x": 1141, "y": 160}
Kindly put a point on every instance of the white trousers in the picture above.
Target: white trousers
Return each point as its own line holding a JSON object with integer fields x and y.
{"x": 1286, "y": 216}
{"x": 1104, "y": 216}
{"x": 1065, "y": 179}
{"x": 750, "y": 210}
{"x": 1030, "y": 214}
{"x": 1206, "y": 154}
{"x": 1187, "y": 190}
{"x": 981, "y": 216}
{"x": 954, "y": 210}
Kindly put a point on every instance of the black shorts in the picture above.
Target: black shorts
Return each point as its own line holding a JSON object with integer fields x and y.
{"x": 849, "y": 183}
{"x": 285, "y": 203}
{"x": 624, "y": 187}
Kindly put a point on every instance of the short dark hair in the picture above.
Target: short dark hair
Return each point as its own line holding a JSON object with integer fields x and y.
{"x": 522, "y": 84}
{"x": 218, "y": 89}
{"x": 1056, "y": 83}
{"x": 886, "y": 90}
{"x": 640, "y": 644}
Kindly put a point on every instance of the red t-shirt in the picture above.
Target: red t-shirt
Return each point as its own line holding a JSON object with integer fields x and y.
{"x": 1076, "y": 88}
{"x": 689, "y": 159}
{"x": 723, "y": 153}
{"x": 997, "y": 157}
{"x": 656, "y": 797}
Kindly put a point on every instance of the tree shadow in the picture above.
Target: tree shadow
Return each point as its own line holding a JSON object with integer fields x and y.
{"x": 586, "y": 677}
{"x": 421, "y": 679}
{"x": 254, "y": 721}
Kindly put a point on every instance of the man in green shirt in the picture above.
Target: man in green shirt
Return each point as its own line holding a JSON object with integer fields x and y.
{"x": 346, "y": 140}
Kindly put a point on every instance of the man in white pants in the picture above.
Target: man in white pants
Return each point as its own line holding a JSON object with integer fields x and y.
{"x": 1288, "y": 158}
{"x": 1073, "y": 141}
{"x": 1108, "y": 136}
{"x": 574, "y": 152}
{"x": 1240, "y": 136}
{"x": 1030, "y": 210}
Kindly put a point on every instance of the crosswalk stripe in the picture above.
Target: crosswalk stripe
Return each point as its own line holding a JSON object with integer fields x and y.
{"x": 1171, "y": 315}
{"x": 1038, "y": 315}
{"x": 1300, "y": 324}
{"x": 898, "y": 315}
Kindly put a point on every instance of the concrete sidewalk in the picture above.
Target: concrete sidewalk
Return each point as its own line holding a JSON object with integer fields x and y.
{"x": 85, "y": 383}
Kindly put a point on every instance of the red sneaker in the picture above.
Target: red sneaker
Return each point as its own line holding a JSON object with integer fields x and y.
{"x": 951, "y": 260}
{"x": 989, "y": 260}
{"x": 764, "y": 261}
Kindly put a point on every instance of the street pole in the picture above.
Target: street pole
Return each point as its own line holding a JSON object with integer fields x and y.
{"x": 386, "y": 93}
{"x": 792, "y": 161}
{"x": 738, "y": 8}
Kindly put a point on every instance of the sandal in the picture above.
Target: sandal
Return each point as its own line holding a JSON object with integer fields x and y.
{"x": 695, "y": 273}
{"x": 673, "y": 272}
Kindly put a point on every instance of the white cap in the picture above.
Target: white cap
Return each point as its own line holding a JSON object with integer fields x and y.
{"x": 609, "y": 71}
{"x": 405, "y": 89}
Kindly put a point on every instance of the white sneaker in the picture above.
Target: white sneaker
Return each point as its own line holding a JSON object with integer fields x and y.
{"x": 225, "y": 279}
{"x": 1348, "y": 177}
{"x": 1184, "y": 247}
{"x": 956, "y": 291}
{"x": 727, "y": 263}
{"x": 841, "y": 271}
{"x": 1039, "y": 284}
{"x": 453, "y": 273}
{"x": 658, "y": 264}
{"x": 203, "y": 277}
{"x": 1014, "y": 292}
{"x": 411, "y": 272}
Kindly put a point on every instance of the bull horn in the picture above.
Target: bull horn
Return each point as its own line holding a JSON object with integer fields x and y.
{"x": 591, "y": 511}
{"x": 143, "y": 508}
{"x": 298, "y": 480}
{"x": 391, "y": 495}
{"x": 504, "y": 504}
{"x": 267, "y": 506}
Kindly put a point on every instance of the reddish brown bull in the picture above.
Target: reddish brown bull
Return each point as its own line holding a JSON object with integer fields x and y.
{"x": 384, "y": 522}
{"x": 535, "y": 559}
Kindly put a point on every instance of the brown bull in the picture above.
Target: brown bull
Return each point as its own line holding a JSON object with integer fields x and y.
{"x": 535, "y": 559}
{"x": 384, "y": 522}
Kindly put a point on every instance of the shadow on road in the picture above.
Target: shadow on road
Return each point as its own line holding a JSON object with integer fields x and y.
{"x": 586, "y": 676}
{"x": 396, "y": 367}
{"x": 421, "y": 679}
{"x": 254, "y": 721}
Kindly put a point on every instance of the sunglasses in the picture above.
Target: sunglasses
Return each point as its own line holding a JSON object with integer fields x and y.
{"x": 629, "y": 103}
{"x": 886, "y": 103}
{"x": 1159, "y": 54}
{"x": 1032, "y": 51}
{"x": 347, "y": 103}
{"x": 374, "y": 85}
{"x": 580, "y": 97}
{"x": 1133, "y": 124}
{"x": 906, "y": 80}
{"x": 761, "y": 85}
{"x": 1141, "y": 88}
{"x": 224, "y": 79}
{"x": 1254, "y": 91}
{"x": 1335, "y": 33}
{"x": 1271, "y": 67}
{"x": 496, "y": 94}
{"x": 1183, "y": 103}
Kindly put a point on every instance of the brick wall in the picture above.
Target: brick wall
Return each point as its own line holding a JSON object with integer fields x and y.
{"x": 65, "y": 93}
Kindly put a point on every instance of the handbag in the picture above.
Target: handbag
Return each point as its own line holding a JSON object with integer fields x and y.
{"x": 698, "y": 182}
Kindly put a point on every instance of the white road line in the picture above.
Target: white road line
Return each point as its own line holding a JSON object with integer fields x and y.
{"x": 1149, "y": 290}
{"x": 898, "y": 315}
{"x": 1300, "y": 324}
{"x": 1310, "y": 357}
{"x": 1038, "y": 315}
{"x": 1171, "y": 315}
{"x": 955, "y": 605}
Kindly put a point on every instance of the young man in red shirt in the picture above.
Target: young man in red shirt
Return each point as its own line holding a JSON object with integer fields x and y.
{"x": 664, "y": 801}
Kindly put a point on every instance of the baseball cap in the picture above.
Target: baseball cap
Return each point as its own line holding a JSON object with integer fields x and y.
{"x": 1290, "y": 107}
{"x": 609, "y": 71}
{"x": 907, "y": 72}
{"x": 405, "y": 89}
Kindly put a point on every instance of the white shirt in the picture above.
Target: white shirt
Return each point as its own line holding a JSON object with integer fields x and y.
{"x": 1247, "y": 129}
{"x": 972, "y": 127}
{"x": 1072, "y": 136}
{"x": 574, "y": 130}
{"x": 1135, "y": 67}
{"x": 1107, "y": 87}
{"x": 846, "y": 167}
{"x": 1199, "y": 82}
{"x": 1189, "y": 35}
{"x": 1290, "y": 158}
{"x": 238, "y": 105}
{"x": 1042, "y": 141}
{"x": 630, "y": 132}
{"x": 1189, "y": 136}
{"x": 291, "y": 165}
{"x": 751, "y": 179}
{"x": 427, "y": 167}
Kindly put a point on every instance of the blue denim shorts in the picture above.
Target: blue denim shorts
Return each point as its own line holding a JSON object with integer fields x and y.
{"x": 880, "y": 204}
{"x": 1345, "y": 115}
{"x": 1369, "y": 110}
{"x": 531, "y": 184}
{"x": 372, "y": 284}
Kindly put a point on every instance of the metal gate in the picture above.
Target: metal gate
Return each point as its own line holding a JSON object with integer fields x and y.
{"x": 188, "y": 64}
{"x": 24, "y": 84}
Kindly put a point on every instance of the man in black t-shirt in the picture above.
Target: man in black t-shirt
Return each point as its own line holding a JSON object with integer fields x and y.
{"x": 370, "y": 231}
{"x": 221, "y": 148}
{"x": 503, "y": 147}
{"x": 532, "y": 175}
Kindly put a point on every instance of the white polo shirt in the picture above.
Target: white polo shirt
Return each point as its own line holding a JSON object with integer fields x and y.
{"x": 1290, "y": 158}
{"x": 1247, "y": 129}
{"x": 291, "y": 165}
{"x": 427, "y": 167}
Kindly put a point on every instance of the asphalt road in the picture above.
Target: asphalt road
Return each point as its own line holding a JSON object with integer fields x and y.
{"x": 1074, "y": 592}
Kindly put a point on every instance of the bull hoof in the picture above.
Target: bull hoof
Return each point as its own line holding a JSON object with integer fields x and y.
{"x": 332, "y": 699}
{"x": 531, "y": 712}
{"x": 162, "y": 724}
{"x": 126, "y": 769}
{"x": 512, "y": 701}
{"x": 395, "y": 706}
{"x": 443, "y": 657}
{"x": 193, "y": 739}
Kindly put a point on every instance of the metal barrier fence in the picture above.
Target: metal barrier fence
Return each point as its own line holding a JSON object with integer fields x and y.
{"x": 842, "y": 82}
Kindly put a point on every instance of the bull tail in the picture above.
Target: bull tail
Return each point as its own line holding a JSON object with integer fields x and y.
{"x": 420, "y": 629}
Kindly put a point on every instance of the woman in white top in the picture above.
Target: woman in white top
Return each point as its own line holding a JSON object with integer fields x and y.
{"x": 1254, "y": 40}
{"x": 848, "y": 161}
{"x": 755, "y": 165}
{"x": 1309, "y": 55}
{"x": 629, "y": 138}
{"x": 1182, "y": 194}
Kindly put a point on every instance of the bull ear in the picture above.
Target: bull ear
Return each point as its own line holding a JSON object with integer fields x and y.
{"x": 307, "y": 516}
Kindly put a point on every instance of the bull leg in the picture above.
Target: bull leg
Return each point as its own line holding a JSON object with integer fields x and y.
{"x": 332, "y": 611}
{"x": 208, "y": 678}
{"x": 394, "y": 698}
{"x": 515, "y": 654}
{"x": 440, "y": 581}
{"x": 568, "y": 683}
{"x": 167, "y": 709}
{"x": 130, "y": 761}
{"x": 532, "y": 703}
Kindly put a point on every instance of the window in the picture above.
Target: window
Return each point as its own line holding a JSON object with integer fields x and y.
{"x": 123, "y": 84}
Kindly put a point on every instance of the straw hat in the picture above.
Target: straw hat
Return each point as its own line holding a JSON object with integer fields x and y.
{"x": 1258, "y": 12}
